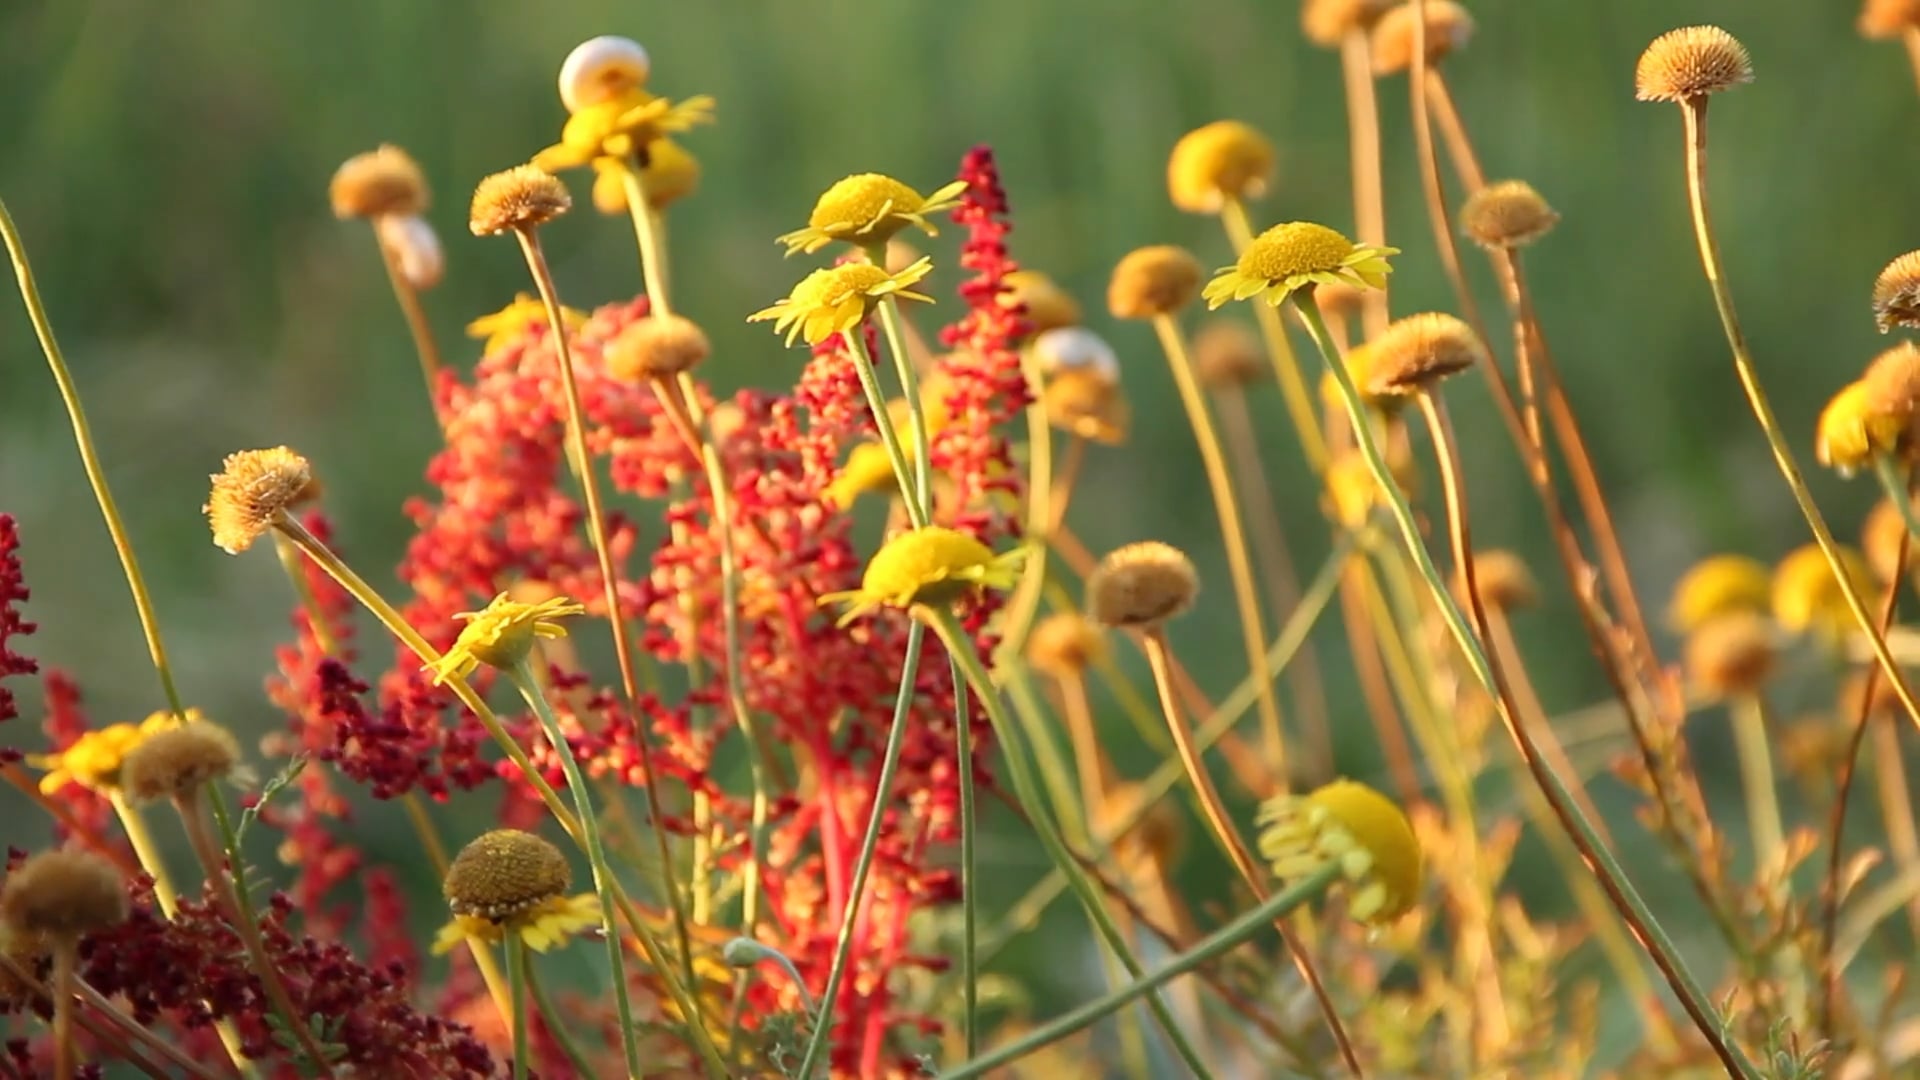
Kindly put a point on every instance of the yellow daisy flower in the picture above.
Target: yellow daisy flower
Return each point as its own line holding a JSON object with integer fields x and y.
{"x": 508, "y": 882}
{"x": 868, "y": 471}
{"x": 670, "y": 174}
{"x": 932, "y": 565}
{"x": 94, "y": 759}
{"x": 621, "y": 127}
{"x": 501, "y": 635}
{"x": 517, "y": 318}
{"x": 1293, "y": 256}
{"x": 839, "y": 298}
{"x": 868, "y": 209}
{"x": 1351, "y": 824}
{"x": 1719, "y": 585}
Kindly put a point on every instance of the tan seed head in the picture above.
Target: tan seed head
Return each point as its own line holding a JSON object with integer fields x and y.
{"x": 1228, "y": 354}
{"x": 658, "y": 348}
{"x": 1153, "y": 281}
{"x": 1882, "y": 19}
{"x": 1449, "y": 27}
{"x": 1896, "y": 293}
{"x": 1691, "y": 62}
{"x": 1142, "y": 585}
{"x": 1732, "y": 654}
{"x": 251, "y": 491}
{"x": 1891, "y": 387}
{"x": 175, "y": 761}
{"x": 377, "y": 183}
{"x": 1508, "y": 214}
{"x": 1328, "y": 22}
{"x": 63, "y": 895}
{"x": 505, "y": 873}
{"x": 523, "y": 197}
{"x": 1064, "y": 645}
{"x": 1415, "y": 353}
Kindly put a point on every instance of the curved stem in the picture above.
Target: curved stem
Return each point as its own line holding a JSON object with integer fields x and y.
{"x": 517, "y": 996}
{"x": 891, "y": 322}
{"x": 1286, "y": 366}
{"x": 903, "y": 472}
{"x": 646, "y": 230}
{"x": 424, "y": 344}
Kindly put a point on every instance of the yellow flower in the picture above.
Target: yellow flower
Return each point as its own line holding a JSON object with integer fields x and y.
{"x": 868, "y": 471}
{"x": 526, "y": 312}
{"x": 867, "y": 209}
{"x": 1293, "y": 256}
{"x": 1358, "y": 828}
{"x": 542, "y": 927}
{"x": 93, "y": 760}
{"x": 502, "y": 635}
{"x": 932, "y": 565}
{"x": 1220, "y": 161}
{"x": 621, "y": 127}
{"x": 1046, "y": 304}
{"x": 1853, "y": 431}
{"x": 1719, "y": 585}
{"x": 1807, "y": 596}
{"x": 839, "y": 298}
{"x": 670, "y": 174}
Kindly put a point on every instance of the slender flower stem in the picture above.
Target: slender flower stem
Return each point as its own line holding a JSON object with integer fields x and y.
{"x": 609, "y": 580}
{"x": 1750, "y": 739}
{"x": 892, "y": 322}
{"x": 1639, "y": 918}
{"x": 646, "y": 230}
{"x": 65, "y": 1057}
{"x": 144, "y": 850}
{"x": 1363, "y": 140}
{"x": 1042, "y": 516}
{"x": 1453, "y": 131}
{"x": 856, "y": 890}
{"x": 1233, "y": 532}
{"x": 424, "y": 344}
{"x": 555, "y": 1022}
{"x": 969, "y": 879}
{"x": 517, "y": 995}
{"x": 603, "y": 881}
{"x": 1271, "y": 911}
{"x": 1027, "y": 791}
{"x": 1368, "y": 653}
{"x": 1286, "y": 366}
{"x": 1910, "y": 37}
{"x": 903, "y": 472}
{"x": 1694, "y": 111}
{"x": 1221, "y": 823}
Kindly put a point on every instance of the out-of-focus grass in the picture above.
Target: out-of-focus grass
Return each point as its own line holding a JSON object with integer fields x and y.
{"x": 168, "y": 165}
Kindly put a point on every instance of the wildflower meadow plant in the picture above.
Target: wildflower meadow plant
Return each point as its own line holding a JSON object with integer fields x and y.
{"x": 769, "y": 790}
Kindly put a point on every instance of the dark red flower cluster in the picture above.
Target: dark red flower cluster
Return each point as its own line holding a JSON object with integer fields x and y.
{"x": 13, "y": 593}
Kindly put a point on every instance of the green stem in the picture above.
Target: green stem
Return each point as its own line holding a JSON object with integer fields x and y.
{"x": 1213, "y": 946}
{"x": 883, "y": 790}
{"x": 1693, "y": 996}
{"x": 1756, "y": 778}
{"x": 889, "y": 438}
{"x": 1027, "y": 791}
{"x": 523, "y": 680}
{"x": 552, "y": 1017}
{"x": 517, "y": 993}
{"x": 652, "y": 256}
{"x": 891, "y": 322}
{"x": 969, "y": 956}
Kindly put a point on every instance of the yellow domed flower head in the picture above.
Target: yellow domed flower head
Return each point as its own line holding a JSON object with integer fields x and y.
{"x": 1716, "y": 586}
{"x": 525, "y": 313}
{"x": 624, "y": 126}
{"x": 1851, "y": 433}
{"x": 932, "y": 565}
{"x": 868, "y": 471}
{"x": 1065, "y": 644}
{"x": 501, "y": 635}
{"x": 1047, "y": 305}
{"x": 94, "y": 759}
{"x": 670, "y": 174}
{"x": 867, "y": 209}
{"x": 839, "y": 298}
{"x": 1085, "y": 402}
{"x": 512, "y": 882}
{"x": 1807, "y": 597}
{"x": 1293, "y": 256}
{"x": 1349, "y": 824}
{"x": 1223, "y": 160}
{"x": 1690, "y": 63}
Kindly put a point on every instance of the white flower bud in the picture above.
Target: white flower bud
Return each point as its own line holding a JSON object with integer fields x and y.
{"x": 601, "y": 68}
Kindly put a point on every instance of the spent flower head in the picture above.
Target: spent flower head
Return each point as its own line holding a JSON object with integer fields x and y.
{"x": 176, "y": 760}
{"x": 251, "y": 492}
{"x": 1731, "y": 654}
{"x": 1413, "y": 354}
{"x": 1084, "y": 402}
{"x": 868, "y": 209}
{"x": 1896, "y": 293}
{"x": 659, "y": 347}
{"x": 1506, "y": 214}
{"x": 1294, "y": 256}
{"x": 1882, "y": 19}
{"x": 1226, "y": 353}
{"x": 1152, "y": 281}
{"x": 1220, "y": 162}
{"x": 63, "y": 895}
{"x": 378, "y": 183}
{"x": 1448, "y": 29}
{"x": 931, "y": 565}
{"x": 1690, "y": 63}
{"x": 1064, "y": 644}
{"x": 1046, "y": 305}
{"x": 523, "y": 197}
{"x": 1349, "y": 824}
{"x": 837, "y": 299}
{"x": 1142, "y": 585}
{"x": 502, "y": 634}
{"x": 509, "y": 882}
{"x": 1328, "y": 22}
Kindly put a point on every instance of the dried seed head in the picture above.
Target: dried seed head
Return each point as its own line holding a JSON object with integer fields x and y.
{"x": 504, "y": 873}
{"x": 523, "y": 197}
{"x": 1064, "y": 645}
{"x": 1883, "y": 19}
{"x": 657, "y": 348}
{"x": 1153, "y": 281}
{"x": 175, "y": 762}
{"x": 1154, "y": 841}
{"x": 1416, "y": 352}
{"x": 1896, "y": 292}
{"x": 1228, "y": 354}
{"x": 1087, "y": 403}
{"x": 1891, "y": 387}
{"x": 1509, "y": 214}
{"x": 1219, "y": 161}
{"x": 1448, "y": 29}
{"x": 377, "y": 183}
{"x": 1689, "y": 63}
{"x": 1731, "y": 655}
{"x": 1327, "y": 22}
{"x": 1142, "y": 585}
{"x": 601, "y": 69}
{"x": 63, "y": 895}
{"x": 251, "y": 491}
{"x": 1880, "y": 538}
{"x": 1504, "y": 580}
{"x": 1048, "y": 307}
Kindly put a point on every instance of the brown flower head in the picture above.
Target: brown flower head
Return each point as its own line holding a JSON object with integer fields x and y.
{"x": 1891, "y": 388}
{"x": 657, "y": 348}
{"x": 1690, "y": 63}
{"x": 505, "y": 872}
{"x": 1153, "y": 281}
{"x": 1731, "y": 655}
{"x": 377, "y": 183}
{"x": 1228, "y": 354}
{"x": 1448, "y": 29}
{"x": 1416, "y": 352}
{"x": 523, "y": 197}
{"x": 1504, "y": 580}
{"x": 251, "y": 491}
{"x": 1217, "y": 162}
{"x": 1896, "y": 293}
{"x": 174, "y": 763}
{"x": 1064, "y": 645}
{"x": 1881, "y": 19}
{"x": 1142, "y": 585}
{"x": 62, "y": 895}
{"x": 1327, "y": 22}
{"x": 1087, "y": 402}
{"x": 1507, "y": 214}
{"x": 1047, "y": 305}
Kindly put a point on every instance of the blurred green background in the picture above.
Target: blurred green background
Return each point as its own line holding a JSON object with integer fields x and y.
{"x": 168, "y": 165}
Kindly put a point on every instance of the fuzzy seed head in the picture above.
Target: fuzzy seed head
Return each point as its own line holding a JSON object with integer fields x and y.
{"x": 1047, "y": 305}
{"x": 63, "y": 895}
{"x": 377, "y": 183}
{"x": 1449, "y": 27}
{"x": 1508, "y": 214}
{"x": 1731, "y": 655}
{"x": 1142, "y": 585}
{"x": 1415, "y": 353}
{"x": 1896, "y": 292}
{"x": 1066, "y": 644}
{"x": 1691, "y": 62}
{"x": 523, "y": 197}
{"x": 1882, "y": 19}
{"x": 251, "y": 491}
{"x": 1228, "y": 354}
{"x": 1222, "y": 160}
{"x": 1327, "y": 22}
{"x": 1085, "y": 402}
{"x": 1153, "y": 281}
{"x": 600, "y": 69}
{"x": 505, "y": 873}
{"x": 175, "y": 762}
{"x": 1505, "y": 582}
{"x": 659, "y": 347}
{"x": 1892, "y": 388}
